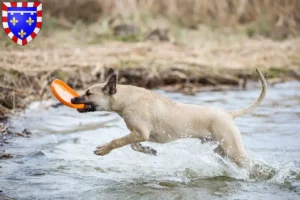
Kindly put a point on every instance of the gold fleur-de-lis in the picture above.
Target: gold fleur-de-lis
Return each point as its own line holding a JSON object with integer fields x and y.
{"x": 14, "y": 21}
{"x": 29, "y": 21}
{"x": 22, "y": 33}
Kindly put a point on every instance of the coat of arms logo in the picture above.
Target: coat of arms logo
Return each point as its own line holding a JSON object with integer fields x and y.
{"x": 22, "y": 21}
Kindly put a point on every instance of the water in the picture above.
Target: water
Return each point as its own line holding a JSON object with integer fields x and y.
{"x": 59, "y": 162}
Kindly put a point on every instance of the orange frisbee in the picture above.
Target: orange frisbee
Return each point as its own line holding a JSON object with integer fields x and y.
{"x": 64, "y": 93}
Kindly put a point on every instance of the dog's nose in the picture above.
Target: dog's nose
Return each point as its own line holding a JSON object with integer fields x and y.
{"x": 77, "y": 100}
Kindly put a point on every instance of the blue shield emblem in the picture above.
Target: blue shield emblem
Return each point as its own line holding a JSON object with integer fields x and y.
{"x": 22, "y": 21}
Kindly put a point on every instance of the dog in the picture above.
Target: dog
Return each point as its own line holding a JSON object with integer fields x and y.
{"x": 152, "y": 117}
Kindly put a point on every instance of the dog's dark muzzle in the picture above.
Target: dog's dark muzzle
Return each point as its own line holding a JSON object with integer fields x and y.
{"x": 88, "y": 106}
{"x": 78, "y": 100}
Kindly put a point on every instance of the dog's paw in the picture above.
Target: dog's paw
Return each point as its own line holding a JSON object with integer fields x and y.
{"x": 102, "y": 150}
{"x": 150, "y": 151}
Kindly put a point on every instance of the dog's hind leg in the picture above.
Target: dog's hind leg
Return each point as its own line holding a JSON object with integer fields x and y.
{"x": 229, "y": 137}
{"x": 143, "y": 149}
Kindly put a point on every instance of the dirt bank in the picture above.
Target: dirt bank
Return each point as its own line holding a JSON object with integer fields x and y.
{"x": 27, "y": 72}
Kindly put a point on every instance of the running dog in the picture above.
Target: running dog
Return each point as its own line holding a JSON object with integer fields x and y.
{"x": 155, "y": 118}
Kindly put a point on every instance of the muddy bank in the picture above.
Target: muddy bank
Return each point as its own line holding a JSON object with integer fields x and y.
{"x": 22, "y": 87}
{"x": 26, "y": 73}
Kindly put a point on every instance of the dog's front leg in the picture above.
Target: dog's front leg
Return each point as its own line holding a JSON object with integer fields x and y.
{"x": 133, "y": 137}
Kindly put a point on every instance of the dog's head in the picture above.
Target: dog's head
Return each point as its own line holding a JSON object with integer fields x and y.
{"x": 97, "y": 97}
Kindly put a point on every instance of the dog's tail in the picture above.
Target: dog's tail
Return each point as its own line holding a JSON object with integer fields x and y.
{"x": 239, "y": 112}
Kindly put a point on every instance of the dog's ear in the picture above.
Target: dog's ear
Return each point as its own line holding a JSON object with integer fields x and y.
{"x": 109, "y": 73}
{"x": 111, "y": 86}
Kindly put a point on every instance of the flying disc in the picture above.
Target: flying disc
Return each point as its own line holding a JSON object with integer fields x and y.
{"x": 64, "y": 93}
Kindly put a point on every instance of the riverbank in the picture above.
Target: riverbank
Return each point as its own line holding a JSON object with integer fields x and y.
{"x": 26, "y": 72}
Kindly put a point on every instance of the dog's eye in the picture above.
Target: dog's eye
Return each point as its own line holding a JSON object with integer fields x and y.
{"x": 88, "y": 93}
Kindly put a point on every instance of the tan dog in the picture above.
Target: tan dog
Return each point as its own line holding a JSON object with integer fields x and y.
{"x": 152, "y": 117}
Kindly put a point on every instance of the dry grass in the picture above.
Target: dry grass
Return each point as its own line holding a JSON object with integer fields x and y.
{"x": 278, "y": 19}
{"x": 245, "y": 54}
{"x": 227, "y": 12}
{"x": 271, "y": 18}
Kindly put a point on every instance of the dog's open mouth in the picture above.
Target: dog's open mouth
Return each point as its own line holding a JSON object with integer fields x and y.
{"x": 88, "y": 106}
